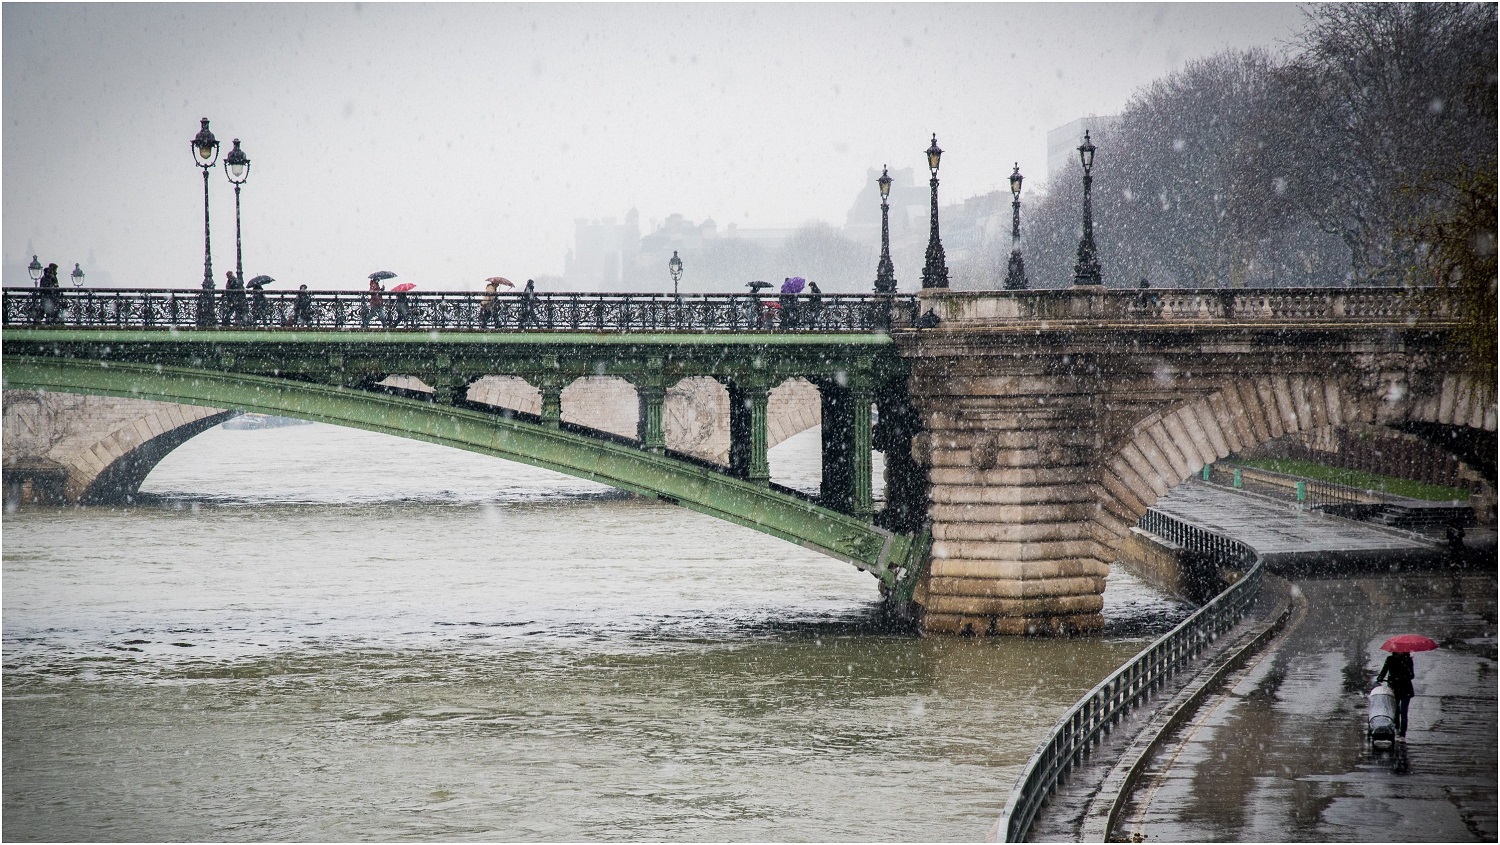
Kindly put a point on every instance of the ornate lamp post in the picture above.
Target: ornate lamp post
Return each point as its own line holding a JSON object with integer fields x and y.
{"x": 34, "y": 269}
{"x": 885, "y": 272}
{"x": 1086, "y": 271}
{"x": 77, "y": 275}
{"x": 237, "y": 168}
{"x": 1015, "y": 276}
{"x": 935, "y": 271}
{"x": 206, "y": 155}
{"x": 674, "y": 266}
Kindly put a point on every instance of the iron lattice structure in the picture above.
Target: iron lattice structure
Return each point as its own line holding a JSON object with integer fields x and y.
{"x": 461, "y": 311}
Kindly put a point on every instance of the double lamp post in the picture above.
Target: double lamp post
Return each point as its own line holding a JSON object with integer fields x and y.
{"x": 237, "y": 168}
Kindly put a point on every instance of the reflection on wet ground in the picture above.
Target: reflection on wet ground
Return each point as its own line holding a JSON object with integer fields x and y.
{"x": 1282, "y": 754}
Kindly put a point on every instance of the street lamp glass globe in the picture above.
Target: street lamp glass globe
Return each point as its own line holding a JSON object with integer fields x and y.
{"x": 77, "y": 275}
{"x": 1086, "y": 152}
{"x": 35, "y": 269}
{"x": 205, "y": 146}
{"x": 1015, "y": 181}
{"x": 675, "y": 266}
{"x": 885, "y": 182}
{"x": 934, "y": 155}
{"x": 237, "y": 164}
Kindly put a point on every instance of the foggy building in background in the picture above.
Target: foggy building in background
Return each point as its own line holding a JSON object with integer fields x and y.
{"x": 602, "y": 250}
{"x": 1063, "y": 142}
{"x": 612, "y": 256}
{"x": 909, "y": 203}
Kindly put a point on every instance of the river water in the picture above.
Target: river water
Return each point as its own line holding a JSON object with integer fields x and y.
{"x": 314, "y": 633}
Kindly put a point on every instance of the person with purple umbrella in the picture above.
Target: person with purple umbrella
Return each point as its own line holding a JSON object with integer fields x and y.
{"x": 789, "y": 290}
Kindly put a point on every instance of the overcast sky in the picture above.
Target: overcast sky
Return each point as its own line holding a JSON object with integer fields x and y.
{"x": 452, "y": 142}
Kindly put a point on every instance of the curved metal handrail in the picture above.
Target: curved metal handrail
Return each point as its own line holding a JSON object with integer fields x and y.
{"x": 1097, "y": 712}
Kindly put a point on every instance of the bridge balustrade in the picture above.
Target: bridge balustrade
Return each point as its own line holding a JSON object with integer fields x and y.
{"x": 1385, "y": 304}
{"x": 710, "y": 313}
{"x": 460, "y": 311}
{"x": 1088, "y": 721}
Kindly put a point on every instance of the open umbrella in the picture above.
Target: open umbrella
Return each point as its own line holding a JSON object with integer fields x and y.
{"x": 1408, "y": 642}
{"x": 260, "y": 281}
{"x": 403, "y": 287}
{"x": 381, "y": 275}
{"x": 501, "y": 280}
{"x": 757, "y": 285}
{"x": 793, "y": 284}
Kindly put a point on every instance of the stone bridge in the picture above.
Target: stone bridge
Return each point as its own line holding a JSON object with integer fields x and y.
{"x": 1052, "y": 419}
{"x": 1027, "y": 430}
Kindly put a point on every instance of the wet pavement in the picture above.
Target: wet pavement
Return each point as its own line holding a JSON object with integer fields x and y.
{"x": 1279, "y": 530}
{"x": 1279, "y": 752}
{"x": 1078, "y": 809}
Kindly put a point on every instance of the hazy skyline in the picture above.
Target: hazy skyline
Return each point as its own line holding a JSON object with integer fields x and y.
{"x": 452, "y": 142}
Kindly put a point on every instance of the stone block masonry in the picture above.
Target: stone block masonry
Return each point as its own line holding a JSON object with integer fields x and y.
{"x": 1051, "y": 420}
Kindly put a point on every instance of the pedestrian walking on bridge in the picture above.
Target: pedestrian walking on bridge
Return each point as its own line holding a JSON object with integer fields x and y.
{"x": 302, "y": 307}
{"x": 51, "y": 298}
{"x": 236, "y": 309}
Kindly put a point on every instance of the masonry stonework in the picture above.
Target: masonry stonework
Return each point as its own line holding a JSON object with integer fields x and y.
{"x": 1045, "y": 440}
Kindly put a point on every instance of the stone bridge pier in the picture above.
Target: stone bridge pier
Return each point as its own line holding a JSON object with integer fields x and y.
{"x": 1052, "y": 419}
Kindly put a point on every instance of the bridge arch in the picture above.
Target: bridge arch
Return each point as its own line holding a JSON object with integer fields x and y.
{"x": 99, "y": 458}
{"x": 1174, "y": 444}
{"x": 126, "y": 438}
{"x": 891, "y": 557}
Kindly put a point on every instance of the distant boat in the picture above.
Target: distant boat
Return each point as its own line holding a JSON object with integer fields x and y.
{"x": 251, "y": 422}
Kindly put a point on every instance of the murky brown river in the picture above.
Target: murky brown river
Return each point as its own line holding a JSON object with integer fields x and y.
{"x": 312, "y": 633}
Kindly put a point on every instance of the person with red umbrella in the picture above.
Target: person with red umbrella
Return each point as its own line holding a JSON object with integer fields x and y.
{"x": 403, "y": 308}
{"x": 1400, "y": 671}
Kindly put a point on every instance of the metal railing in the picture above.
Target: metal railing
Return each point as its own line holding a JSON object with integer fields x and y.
{"x": 1205, "y": 305}
{"x": 1088, "y": 721}
{"x": 461, "y": 311}
{"x": 1306, "y": 492}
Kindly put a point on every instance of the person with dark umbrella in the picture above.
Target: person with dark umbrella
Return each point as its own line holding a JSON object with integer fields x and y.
{"x": 377, "y": 308}
{"x": 260, "y": 308}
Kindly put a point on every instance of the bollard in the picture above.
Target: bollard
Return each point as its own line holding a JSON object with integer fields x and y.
{"x": 1238, "y": 482}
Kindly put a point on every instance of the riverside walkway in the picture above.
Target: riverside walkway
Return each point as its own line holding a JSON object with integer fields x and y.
{"x": 1286, "y": 536}
{"x": 1264, "y": 739}
{"x": 1278, "y": 752}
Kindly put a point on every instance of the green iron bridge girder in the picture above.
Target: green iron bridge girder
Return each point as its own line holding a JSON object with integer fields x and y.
{"x": 327, "y": 377}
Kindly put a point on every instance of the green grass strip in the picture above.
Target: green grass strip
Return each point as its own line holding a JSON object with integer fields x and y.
{"x": 1358, "y": 479}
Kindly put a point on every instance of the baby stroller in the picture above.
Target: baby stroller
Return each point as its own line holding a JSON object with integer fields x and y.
{"x": 1382, "y": 720}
